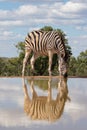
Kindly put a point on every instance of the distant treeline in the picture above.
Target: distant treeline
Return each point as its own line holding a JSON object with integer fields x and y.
{"x": 13, "y": 66}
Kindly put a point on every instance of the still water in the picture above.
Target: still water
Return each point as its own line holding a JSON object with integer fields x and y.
{"x": 43, "y": 104}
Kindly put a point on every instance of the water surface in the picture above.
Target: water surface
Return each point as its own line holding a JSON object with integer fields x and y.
{"x": 14, "y": 116}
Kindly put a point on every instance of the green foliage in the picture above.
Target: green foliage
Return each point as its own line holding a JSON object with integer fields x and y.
{"x": 3, "y": 66}
{"x": 47, "y": 28}
{"x": 72, "y": 66}
{"x": 10, "y": 67}
{"x": 41, "y": 65}
{"x": 78, "y": 67}
{"x": 20, "y": 46}
{"x": 21, "y": 49}
{"x": 82, "y": 64}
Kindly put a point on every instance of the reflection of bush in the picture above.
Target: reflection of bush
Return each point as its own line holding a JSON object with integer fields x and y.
{"x": 43, "y": 84}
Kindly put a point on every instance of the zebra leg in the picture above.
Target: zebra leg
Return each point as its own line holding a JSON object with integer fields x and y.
{"x": 50, "y": 54}
{"x": 49, "y": 98}
{"x": 60, "y": 66}
{"x": 25, "y": 90}
{"x": 34, "y": 57}
{"x": 27, "y": 53}
{"x": 34, "y": 94}
{"x": 32, "y": 62}
{"x": 26, "y": 95}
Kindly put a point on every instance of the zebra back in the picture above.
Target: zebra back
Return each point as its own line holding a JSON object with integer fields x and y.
{"x": 42, "y": 41}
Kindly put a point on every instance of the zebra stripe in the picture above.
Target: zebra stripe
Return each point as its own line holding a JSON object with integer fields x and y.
{"x": 41, "y": 41}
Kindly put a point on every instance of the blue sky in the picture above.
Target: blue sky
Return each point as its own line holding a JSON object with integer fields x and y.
{"x": 18, "y": 17}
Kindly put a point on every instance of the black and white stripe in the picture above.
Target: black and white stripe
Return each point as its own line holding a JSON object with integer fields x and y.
{"x": 42, "y": 41}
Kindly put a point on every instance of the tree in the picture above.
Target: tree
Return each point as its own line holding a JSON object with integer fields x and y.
{"x": 47, "y": 28}
{"x": 21, "y": 49}
{"x": 72, "y": 66}
{"x": 82, "y": 64}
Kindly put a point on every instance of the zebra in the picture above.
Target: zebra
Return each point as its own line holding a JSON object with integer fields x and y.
{"x": 45, "y": 43}
{"x": 44, "y": 107}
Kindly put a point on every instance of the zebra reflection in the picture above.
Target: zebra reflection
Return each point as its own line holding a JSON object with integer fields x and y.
{"x": 44, "y": 107}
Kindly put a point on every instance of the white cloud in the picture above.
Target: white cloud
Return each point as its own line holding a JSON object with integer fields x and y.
{"x": 78, "y": 44}
{"x": 11, "y": 23}
{"x": 8, "y": 40}
{"x": 79, "y": 1}
{"x": 82, "y": 28}
{"x": 42, "y": 13}
{"x": 29, "y": 1}
{"x": 8, "y": 35}
{"x": 3, "y": 13}
{"x": 71, "y": 7}
{"x": 26, "y": 10}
